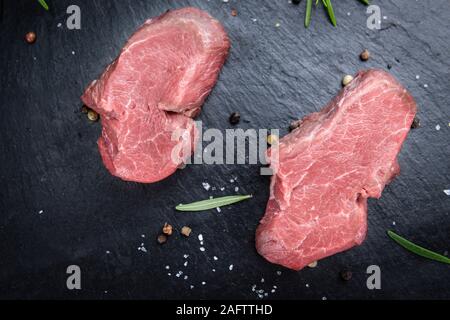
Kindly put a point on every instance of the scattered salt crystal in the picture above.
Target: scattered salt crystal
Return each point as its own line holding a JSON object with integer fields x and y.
{"x": 438, "y": 127}
{"x": 417, "y": 77}
{"x": 279, "y": 273}
{"x": 447, "y": 192}
{"x": 262, "y": 280}
{"x": 192, "y": 287}
{"x": 277, "y": 24}
{"x": 225, "y": 1}
{"x": 349, "y": 14}
{"x": 206, "y": 185}
{"x": 254, "y": 19}
{"x": 59, "y": 25}
{"x": 186, "y": 256}
{"x": 254, "y": 287}
{"x": 266, "y": 294}
{"x": 108, "y": 252}
{"x": 73, "y": 52}
{"x": 167, "y": 267}
{"x": 260, "y": 291}
{"x": 202, "y": 249}
{"x": 222, "y": 189}
{"x": 185, "y": 263}
{"x": 394, "y": 223}
{"x": 324, "y": 298}
{"x": 213, "y": 270}
{"x": 215, "y": 258}
{"x": 186, "y": 277}
{"x": 203, "y": 283}
{"x": 179, "y": 274}
{"x": 236, "y": 189}
{"x": 275, "y": 287}
{"x": 142, "y": 235}
{"x": 41, "y": 211}
{"x": 273, "y": 291}
{"x": 201, "y": 243}
{"x": 384, "y": 17}
{"x": 218, "y": 210}
{"x": 231, "y": 180}
{"x": 143, "y": 249}
{"x": 231, "y": 267}
{"x": 169, "y": 274}
{"x": 200, "y": 237}
{"x": 425, "y": 85}
{"x": 260, "y": 296}
{"x": 307, "y": 285}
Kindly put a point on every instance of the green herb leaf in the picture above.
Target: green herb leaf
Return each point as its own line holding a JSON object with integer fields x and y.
{"x": 366, "y": 2}
{"x": 414, "y": 248}
{"x": 308, "y": 13}
{"x": 330, "y": 10}
{"x": 44, "y": 4}
{"x": 211, "y": 203}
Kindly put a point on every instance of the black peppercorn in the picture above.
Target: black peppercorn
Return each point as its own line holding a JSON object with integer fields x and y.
{"x": 416, "y": 123}
{"x": 235, "y": 118}
{"x": 346, "y": 275}
{"x": 162, "y": 239}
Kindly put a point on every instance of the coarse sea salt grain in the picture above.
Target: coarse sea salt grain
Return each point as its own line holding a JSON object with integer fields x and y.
{"x": 215, "y": 258}
{"x": 59, "y": 25}
{"x": 218, "y": 210}
{"x": 438, "y": 127}
{"x": 185, "y": 263}
{"x": 108, "y": 252}
{"x": 200, "y": 237}
{"x": 447, "y": 192}
{"x": 41, "y": 211}
{"x": 236, "y": 189}
{"x": 231, "y": 267}
{"x": 202, "y": 249}
{"x": 203, "y": 283}
{"x": 278, "y": 273}
{"x": 167, "y": 267}
{"x": 206, "y": 186}
{"x": 185, "y": 256}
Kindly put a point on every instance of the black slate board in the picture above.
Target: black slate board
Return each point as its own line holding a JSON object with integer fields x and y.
{"x": 49, "y": 159}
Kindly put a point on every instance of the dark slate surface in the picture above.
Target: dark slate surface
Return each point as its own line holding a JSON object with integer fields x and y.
{"x": 49, "y": 160}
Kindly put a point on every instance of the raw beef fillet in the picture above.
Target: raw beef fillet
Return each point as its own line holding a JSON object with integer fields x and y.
{"x": 156, "y": 86}
{"x": 329, "y": 166}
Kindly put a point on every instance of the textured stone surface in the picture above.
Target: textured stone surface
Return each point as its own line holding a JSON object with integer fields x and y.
{"x": 50, "y": 162}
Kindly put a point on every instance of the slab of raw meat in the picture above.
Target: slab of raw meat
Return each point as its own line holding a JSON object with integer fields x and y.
{"x": 329, "y": 166}
{"x": 156, "y": 86}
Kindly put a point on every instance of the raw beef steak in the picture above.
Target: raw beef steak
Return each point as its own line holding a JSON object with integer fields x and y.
{"x": 156, "y": 86}
{"x": 329, "y": 166}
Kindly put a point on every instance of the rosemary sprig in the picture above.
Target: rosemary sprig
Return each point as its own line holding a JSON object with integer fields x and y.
{"x": 44, "y": 4}
{"x": 211, "y": 203}
{"x": 414, "y": 248}
{"x": 328, "y": 6}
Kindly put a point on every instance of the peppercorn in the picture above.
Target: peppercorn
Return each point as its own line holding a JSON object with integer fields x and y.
{"x": 30, "y": 37}
{"x": 162, "y": 239}
{"x": 92, "y": 115}
{"x": 235, "y": 118}
{"x": 346, "y": 80}
{"x": 84, "y": 109}
{"x": 365, "y": 55}
{"x": 416, "y": 123}
{"x": 186, "y": 231}
{"x": 167, "y": 229}
{"x": 346, "y": 275}
{"x": 389, "y": 66}
{"x": 295, "y": 124}
{"x": 234, "y": 12}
